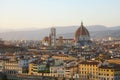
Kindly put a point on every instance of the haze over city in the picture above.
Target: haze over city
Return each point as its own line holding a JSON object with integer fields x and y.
{"x": 37, "y": 14}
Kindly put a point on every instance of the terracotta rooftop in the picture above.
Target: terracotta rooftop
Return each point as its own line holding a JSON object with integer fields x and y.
{"x": 89, "y": 63}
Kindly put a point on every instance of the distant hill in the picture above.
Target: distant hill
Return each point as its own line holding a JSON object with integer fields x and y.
{"x": 65, "y": 31}
{"x": 114, "y": 28}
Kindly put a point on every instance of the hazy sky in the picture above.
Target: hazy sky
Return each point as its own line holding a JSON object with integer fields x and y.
{"x": 23, "y": 14}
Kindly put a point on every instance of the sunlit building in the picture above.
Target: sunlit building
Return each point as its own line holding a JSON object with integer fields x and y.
{"x": 88, "y": 70}
{"x": 109, "y": 72}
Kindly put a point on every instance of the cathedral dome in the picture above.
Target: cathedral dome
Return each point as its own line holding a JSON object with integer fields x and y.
{"x": 81, "y": 31}
{"x": 46, "y": 39}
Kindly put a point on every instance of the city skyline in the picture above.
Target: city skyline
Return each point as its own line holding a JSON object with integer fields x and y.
{"x": 25, "y": 14}
{"x": 59, "y": 40}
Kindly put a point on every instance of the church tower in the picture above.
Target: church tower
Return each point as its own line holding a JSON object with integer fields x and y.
{"x": 53, "y": 37}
